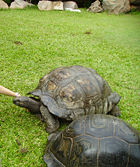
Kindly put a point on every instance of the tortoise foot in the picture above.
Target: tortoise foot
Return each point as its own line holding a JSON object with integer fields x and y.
{"x": 52, "y": 127}
{"x": 115, "y": 111}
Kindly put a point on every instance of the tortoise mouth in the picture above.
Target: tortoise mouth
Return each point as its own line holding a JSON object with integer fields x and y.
{"x": 21, "y": 101}
{"x": 18, "y": 102}
{"x": 32, "y": 104}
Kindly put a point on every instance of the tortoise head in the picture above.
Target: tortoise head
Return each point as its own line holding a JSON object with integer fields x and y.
{"x": 21, "y": 101}
{"x": 27, "y": 102}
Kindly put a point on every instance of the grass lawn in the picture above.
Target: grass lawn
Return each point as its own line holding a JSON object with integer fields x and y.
{"x": 34, "y": 42}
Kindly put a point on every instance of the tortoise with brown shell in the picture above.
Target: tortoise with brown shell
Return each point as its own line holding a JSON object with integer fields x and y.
{"x": 69, "y": 92}
{"x": 94, "y": 141}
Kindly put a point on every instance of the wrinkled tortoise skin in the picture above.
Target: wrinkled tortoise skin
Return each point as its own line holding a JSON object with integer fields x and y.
{"x": 94, "y": 141}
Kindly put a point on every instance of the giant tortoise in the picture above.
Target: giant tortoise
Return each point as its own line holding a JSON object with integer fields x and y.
{"x": 69, "y": 92}
{"x": 94, "y": 140}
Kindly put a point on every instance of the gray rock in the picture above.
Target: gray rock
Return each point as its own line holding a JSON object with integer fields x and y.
{"x": 58, "y": 5}
{"x": 116, "y": 6}
{"x": 73, "y": 10}
{"x": 3, "y": 5}
{"x": 95, "y": 7}
{"x": 70, "y": 4}
{"x": 45, "y": 5}
{"x": 50, "y": 5}
{"x": 19, "y": 4}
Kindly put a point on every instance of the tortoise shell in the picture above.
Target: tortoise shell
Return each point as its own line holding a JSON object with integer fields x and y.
{"x": 69, "y": 92}
{"x": 94, "y": 141}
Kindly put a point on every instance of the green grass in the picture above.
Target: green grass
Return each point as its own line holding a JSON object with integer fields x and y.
{"x": 34, "y": 42}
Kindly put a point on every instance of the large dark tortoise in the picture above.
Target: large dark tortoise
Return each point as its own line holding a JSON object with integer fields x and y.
{"x": 94, "y": 141}
{"x": 69, "y": 92}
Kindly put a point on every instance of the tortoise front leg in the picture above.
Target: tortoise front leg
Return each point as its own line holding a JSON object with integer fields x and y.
{"x": 115, "y": 111}
{"x": 52, "y": 123}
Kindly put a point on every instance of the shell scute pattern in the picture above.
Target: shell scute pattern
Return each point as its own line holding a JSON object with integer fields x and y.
{"x": 134, "y": 155}
{"x": 91, "y": 87}
{"x": 71, "y": 97}
{"x": 79, "y": 127}
{"x": 80, "y": 91}
{"x": 92, "y": 141}
{"x": 60, "y": 74}
{"x": 113, "y": 152}
{"x": 126, "y": 133}
{"x": 74, "y": 91}
{"x": 62, "y": 149}
{"x": 99, "y": 127}
{"x": 83, "y": 150}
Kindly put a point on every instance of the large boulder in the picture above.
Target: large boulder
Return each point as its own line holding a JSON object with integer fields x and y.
{"x": 58, "y": 5}
{"x": 116, "y": 6}
{"x": 50, "y": 5}
{"x": 3, "y": 5}
{"x": 19, "y": 4}
{"x": 45, "y": 5}
{"x": 95, "y": 7}
{"x": 70, "y": 4}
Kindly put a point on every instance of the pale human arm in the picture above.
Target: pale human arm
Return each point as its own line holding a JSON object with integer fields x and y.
{"x": 7, "y": 92}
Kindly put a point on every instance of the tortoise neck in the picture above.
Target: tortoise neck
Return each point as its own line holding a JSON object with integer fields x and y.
{"x": 33, "y": 106}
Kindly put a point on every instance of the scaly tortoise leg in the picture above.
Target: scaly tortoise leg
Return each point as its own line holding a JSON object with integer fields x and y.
{"x": 52, "y": 123}
{"x": 115, "y": 111}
